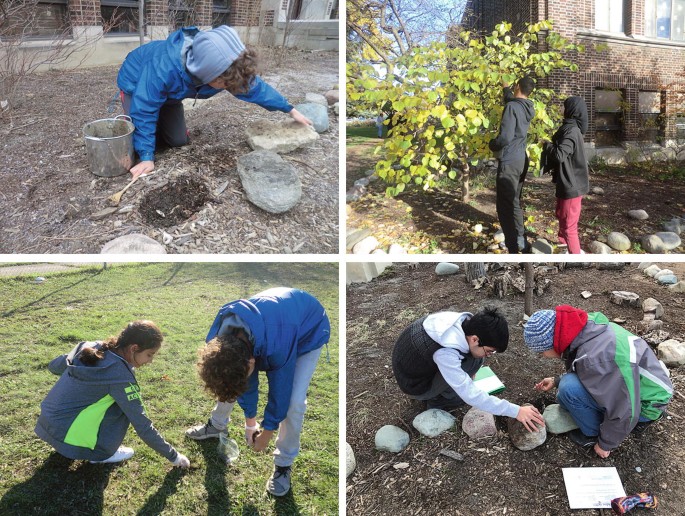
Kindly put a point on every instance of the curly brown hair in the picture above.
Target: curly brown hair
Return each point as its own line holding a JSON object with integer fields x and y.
{"x": 238, "y": 77}
{"x": 145, "y": 334}
{"x": 224, "y": 365}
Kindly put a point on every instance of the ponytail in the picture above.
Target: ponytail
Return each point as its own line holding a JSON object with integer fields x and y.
{"x": 145, "y": 334}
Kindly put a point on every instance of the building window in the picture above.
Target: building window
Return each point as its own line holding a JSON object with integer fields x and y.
{"x": 680, "y": 127}
{"x": 120, "y": 15}
{"x": 39, "y": 19}
{"x": 182, "y": 13}
{"x": 221, "y": 9}
{"x": 608, "y": 117}
{"x": 665, "y": 19}
{"x": 650, "y": 116}
{"x": 609, "y": 15}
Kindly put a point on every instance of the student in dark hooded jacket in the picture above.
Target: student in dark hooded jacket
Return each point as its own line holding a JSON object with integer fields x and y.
{"x": 513, "y": 162}
{"x": 566, "y": 158}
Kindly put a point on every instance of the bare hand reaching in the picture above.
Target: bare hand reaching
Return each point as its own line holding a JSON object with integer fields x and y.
{"x": 529, "y": 416}
{"x": 545, "y": 385}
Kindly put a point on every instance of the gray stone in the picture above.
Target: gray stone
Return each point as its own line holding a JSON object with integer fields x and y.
{"x": 651, "y": 271}
{"x": 478, "y": 424}
{"x": 669, "y": 279}
{"x": 611, "y": 266}
{"x": 653, "y": 244}
{"x": 315, "y": 98}
{"x": 269, "y": 182}
{"x": 332, "y": 97}
{"x": 649, "y": 325}
{"x": 433, "y": 422}
{"x": 396, "y": 249}
{"x": 558, "y": 420}
{"x": 365, "y": 246}
{"x": 391, "y": 439}
{"x": 350, "y": 461}
{"x": 446, "y": 269}
{"x": 498, "y": 237}
{"x": 662, "y": 273}
{"x": 675, "y": 225}
{"x": 597, "y": 190}
{"x": 599, "y": 248}
{"x": 355, "y": 235}
{"x": 336, "y": 108}
{"x": 522, "y": 438}
{"x": 623, "y": 298}
{"x": 355, "y": 193}
{"x": 363, "y": 181}
{"x": 134, "y": 243}
{"x": 678, "y": 287}
{"x": 651, "y": 305}
{"x": 638, "y": 214}
{"x": 281, "y": 137}
{"x": 618, "y": 241}
{"x": 670, "y": 240}
{"x": 542, "y": 246}
{"x": 644, "y": 265}
{"x": 653, "y": 338}
{"x": 672, "y": 352}
{"x": 317, "y": 113}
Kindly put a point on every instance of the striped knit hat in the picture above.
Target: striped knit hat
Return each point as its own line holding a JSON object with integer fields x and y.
{"x": 539, "y": 331}
{"x": 213, "y": 51}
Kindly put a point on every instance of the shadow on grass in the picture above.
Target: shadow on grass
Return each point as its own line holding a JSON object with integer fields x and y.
{"x": 157, "y": 502}
{"x": 286, "y": 505}
{"x": 59, "y": 486}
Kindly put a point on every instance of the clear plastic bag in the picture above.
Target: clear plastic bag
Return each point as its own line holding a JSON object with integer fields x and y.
{"x": 228, "y": 449}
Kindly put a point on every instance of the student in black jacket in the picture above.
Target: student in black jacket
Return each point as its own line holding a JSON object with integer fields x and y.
{"x": 513, "y": 162}
{"x": 566, "y": 158}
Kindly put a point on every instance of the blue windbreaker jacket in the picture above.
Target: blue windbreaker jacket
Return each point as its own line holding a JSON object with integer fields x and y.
{"x": 285, "y": 323}
{"x": 156, "y": 72}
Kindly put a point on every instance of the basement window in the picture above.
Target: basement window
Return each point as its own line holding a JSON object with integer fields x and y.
{"x": 608, "y": 117}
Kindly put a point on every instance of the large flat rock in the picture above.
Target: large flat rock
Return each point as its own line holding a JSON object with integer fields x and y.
{"x": 270, "y": 183}
{"x": 281, "y": 137}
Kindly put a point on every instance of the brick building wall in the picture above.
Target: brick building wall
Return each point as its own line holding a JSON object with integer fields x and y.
{"x": 627, "y": 62}
{"x": 245, "y": 13}
{"x": 84, "y": 13}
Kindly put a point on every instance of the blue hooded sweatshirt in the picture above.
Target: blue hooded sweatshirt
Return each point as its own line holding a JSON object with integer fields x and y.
{"x": 283, "y": 324}
{"x": 156, "y": 72}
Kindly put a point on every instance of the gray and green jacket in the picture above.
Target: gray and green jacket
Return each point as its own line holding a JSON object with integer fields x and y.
{"x": 622, "y": 374}
{"x": 87, "y": 412}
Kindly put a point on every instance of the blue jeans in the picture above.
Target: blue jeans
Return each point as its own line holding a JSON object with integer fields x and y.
{"x": 288, "y": 440}
{"x": 575, "y": 398}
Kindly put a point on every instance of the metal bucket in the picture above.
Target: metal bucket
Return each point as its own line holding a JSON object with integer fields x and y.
{"x": 109, "y": 145}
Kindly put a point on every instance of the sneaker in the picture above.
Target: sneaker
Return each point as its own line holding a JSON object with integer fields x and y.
{"x": 206, "y": 431}
{"x": 581, "y": 439}
{"x": 279, "y": 483}
{"x": 122, "y": 454}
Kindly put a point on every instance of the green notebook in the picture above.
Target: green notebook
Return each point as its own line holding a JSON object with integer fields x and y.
{"x": 487, "y": 381}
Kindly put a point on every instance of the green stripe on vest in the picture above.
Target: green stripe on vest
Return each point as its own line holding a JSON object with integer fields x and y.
{"x": 654, "y": 398}
{"x": 83, "y": 431}
{"x": 622, "y": 357}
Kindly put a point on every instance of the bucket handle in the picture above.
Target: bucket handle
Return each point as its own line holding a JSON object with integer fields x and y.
{"x": 128, "y": 118}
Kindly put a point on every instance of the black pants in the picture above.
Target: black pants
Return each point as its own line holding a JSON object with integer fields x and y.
{"x": 510, "y": 178}
{"x": 441, "y": 389}
{"x": 171, "y": 124}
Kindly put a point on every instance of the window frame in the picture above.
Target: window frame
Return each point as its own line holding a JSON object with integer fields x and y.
{"x": 618, "y": 128}
{"x": 651, "y": 20}
{"x": 609, "y": 6}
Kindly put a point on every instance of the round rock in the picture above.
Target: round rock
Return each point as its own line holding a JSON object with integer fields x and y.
{"x": 366, "y": 245}
{"x": 446, "y": 269}
{"x": 672, "y": 352}
{"x": 599, "y": 248}
{"x": 134, "y": 243}
{"x": 433, "y": 422}
{"x": 618, "y": 241}
{"x": 668, "y": 279}
{"x": 650, "y": 305}
{"x": 350, "y": 461}
{"x": 652, "y": 270}
{"x": 522, "y": 438}
{"x": 670, "y": 240}
{"x": 269, "y": 182}
{"x": 558, "y": 420}
{"x": 638, "y": 214}
{"x": 478, "y": 424}
{"x": 653, "y": 244}
{"x": 392, "y": 439}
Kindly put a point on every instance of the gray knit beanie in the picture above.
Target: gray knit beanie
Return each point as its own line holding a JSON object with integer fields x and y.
{"x": 539, "y": 331}
{"x": 212, "y": 52}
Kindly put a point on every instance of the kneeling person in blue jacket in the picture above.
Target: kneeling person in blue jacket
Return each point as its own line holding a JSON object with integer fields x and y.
{"x": 156, "y": 77}
{"x": 280, "y": 331}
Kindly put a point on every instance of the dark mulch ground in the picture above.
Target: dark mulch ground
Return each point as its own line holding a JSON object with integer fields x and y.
{"x": 438, "y": 221}
{"x": 495, "y": 477}
{"x": 49, "y": 196}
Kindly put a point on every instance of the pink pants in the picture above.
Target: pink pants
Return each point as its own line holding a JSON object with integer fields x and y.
{"x": 568, "y": 213}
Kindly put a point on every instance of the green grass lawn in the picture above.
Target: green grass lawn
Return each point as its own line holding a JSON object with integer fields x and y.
{"x": 39, "y": 321}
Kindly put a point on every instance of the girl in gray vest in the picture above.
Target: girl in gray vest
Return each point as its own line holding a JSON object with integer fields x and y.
{"x": 86, "y": 414}
{"x": 436, "y": 358}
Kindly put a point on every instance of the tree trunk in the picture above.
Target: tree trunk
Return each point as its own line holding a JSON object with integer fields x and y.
{"x": 530, "y": 285}
{"x": 474, "y": 270}
{"x": 465, "y": 177}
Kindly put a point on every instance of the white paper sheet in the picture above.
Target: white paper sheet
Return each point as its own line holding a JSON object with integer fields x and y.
{"x": 592, "y": 488}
